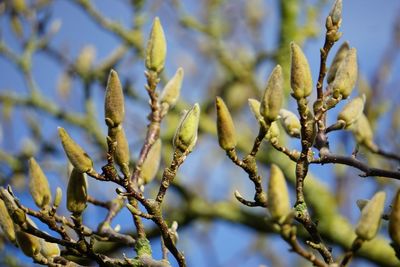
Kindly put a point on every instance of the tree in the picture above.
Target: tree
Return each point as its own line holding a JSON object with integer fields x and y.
{"x": 139, "y": 185}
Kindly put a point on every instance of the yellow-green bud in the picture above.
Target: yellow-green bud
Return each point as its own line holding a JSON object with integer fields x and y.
{"x": 49, "y": 250}
{"x": 186, "y": 134}
{"x": 6, "y": 223}
{"x": 151, "y": 163}
{"x": 273, "y": 132}
{"x": 170, "y": 94}
{"x": 114, "y": 101}
{"x": 28, "y": 243}
{"x": 85, "y": 59}
{"x": 336, "y": 13}
{"x": 346, "y": 74}
{"x": 352, "y": 111}
{"x": 38, "y": 185}
{"x": 58, "y": 197}
{"x": 271, "y": 102}
{"x": 76, "y": 155}
{"x": 300, "y": 74}
{"x": 394, "y": 220}
{"x": 278, "y": 195}
{"x": 77, "y": 192}
{"x": 369, "y": 222}
{"x": 225, "y": 126}
{"x": 290, "y": 122}
{"x": 363, "y": 134}
{"x": 254, "y": 105}
{"x": 339, "y": 56}
{"x": 121, "y": 154}
{"x": 156, "y": 48}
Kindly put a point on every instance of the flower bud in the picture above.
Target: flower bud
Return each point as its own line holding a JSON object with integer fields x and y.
{"x": 121, "y": 154}
{"x": 339, "y": 56}
{"x": 368, "y": 225}
{"x": 300, "y": 74}
{"x": 29, "y": 244}
{"x": 76, "y": 155}
{"x": 254, "y": 105}
{"x": 225, "y": 126}
{"x": 49, "y": 250}
{"x": 271, "y": 102}
{"x": 186, "y": 134}
{"x": 352, "y": 111}
{"x": 6, "y": 223}
{"x": 290, "y": 123}
{"x": 77, "y": 192}
{"x": 114, "y": 101}
{"x": 38, "y": 185}
{"x": 363, "y": 134}
{"x": 170, "y": 94}
{"x": 85, "y": 59}
{"x": 278, "y": 195}
{"x": 273, "y": 132}
{"x": 336, "y": 13}
{"x": 58, "y": 197}
{"x": 346, "y": 74}
{"x": 151, "y": 163}
{"x": 156, "y": 48}
{"x": 394, "y": 220}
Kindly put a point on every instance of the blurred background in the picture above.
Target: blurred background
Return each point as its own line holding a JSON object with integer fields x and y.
{"x": 55, "y": 57}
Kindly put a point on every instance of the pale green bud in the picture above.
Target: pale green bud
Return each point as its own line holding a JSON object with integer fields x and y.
{"x": 186, "y": 134}
{"x": 121, "y": 154}
{"x": 58, "y": 197}
{"x": 170, "y": 94}
{"x": 151, "y": 163}
{"x": 271, "y": 102}
{"x": 363, "y": 134}
{"x": 38, "y": 185}
{"x": 85, "y": 59}
{"x": 28, "y": 243}
{"x": 114, "y": 101}
{"x": 352, "y": 111}
{"x": 278, "y": 194}
{"x": 156, "y": 48}
{"x": 273, "y": 132}
{"x": 300, "y": 74}
{"x": 337, "y": 60}
{"x": 225, "y": 126}
{"x": 369, "y": 222}
{"x": 346, "y": 74}
{"x": 6, "y": 223}
{"x": 336, "y": 13}
{"x": 254, "y": 105}
{"x": 290, "y": 122}
{"x": 394, "y": 220}
{"x": 49, "y": 250}
{"x": 77, "y": 192}
{"x": 76, "y": 155}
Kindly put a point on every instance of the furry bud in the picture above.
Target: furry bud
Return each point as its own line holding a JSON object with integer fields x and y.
{"x": 346, "y": 74}
{"x": 29, "y": 244}
{"x": 186, "y": 134}
{"x": 225, "y": 126}
{"x": 156, "y": 48}
{"x": 300, "y": 74}
{"x": 170, "y": 94}
{"x": 151, "y": 163}
{"x": 114, "y": 101}
{"x": 77, "y": 192}
{"x": 337, "y": 60}
{"x": 290, "y": 122}
{"x": 352, "y": 111}
{"x": 6, "y": 223}
{"x": 363, "y": 134}
{"x": 38, "y": 184}
{"x": 278, "y": 195}
{"x": 271, "y": 102}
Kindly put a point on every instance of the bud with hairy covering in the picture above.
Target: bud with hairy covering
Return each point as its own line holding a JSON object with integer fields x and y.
{"x": 156, "y": 48}
{"x": 77, "y": 192}
{"x": 337, "y": 60}
{"x": 352, "y": 111}
{"x": 346, "y": 75}
{"x": 225, "y": 126}
{"x": 114, "y": 101}
{"x": 300, "y": 73}
{"x": 290, "y": 122}
{"x": 272, "y": 99}
{"x": 170, "y": 94}
{"x": 38, "y": 185}
{"x": 278, "y": 194}
{"x": 186, "y": 134}
{"x": 6, "y": 223}
{"x": 151, "y": 163}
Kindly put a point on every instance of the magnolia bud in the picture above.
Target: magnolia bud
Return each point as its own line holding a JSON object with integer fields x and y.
{"x": 151, "y": 163}
{"x": 58, "y": 197}
{"x": 300, "y": 74}
{"x": 6, "y": 223}
{"x": 28, "y": 243}
{"x": 290, "y": 123}
{"x": 336, "y": 13}
{"x": 114, "y": 101}
{"x": 394, "y": 220}
{"x": 85, "y": 59}
{"x": 121, "y": 154}
{"x": 273, "y": 96}
{"x": 352, "y": 111}
{"x": 77, "y": 192}
{"x": 346, "y": 74}
{"x": 339, "y": 56}
{"x": 38, "y": 184}
{"x": 170, "y": 94}
{"x": 278, "y": 195}
{"x": 273, "y": 132}
{"x": 76, "y": 155}
{"x": 363, "y": 133}
{"x": 49, "y": 250}
{"x": 368, "y": 225}
{"x": 255, "y": 109}
{"x": 225, "y": 126}
{"x": 186, "y": 134}
{"x": 156, "y": 48}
